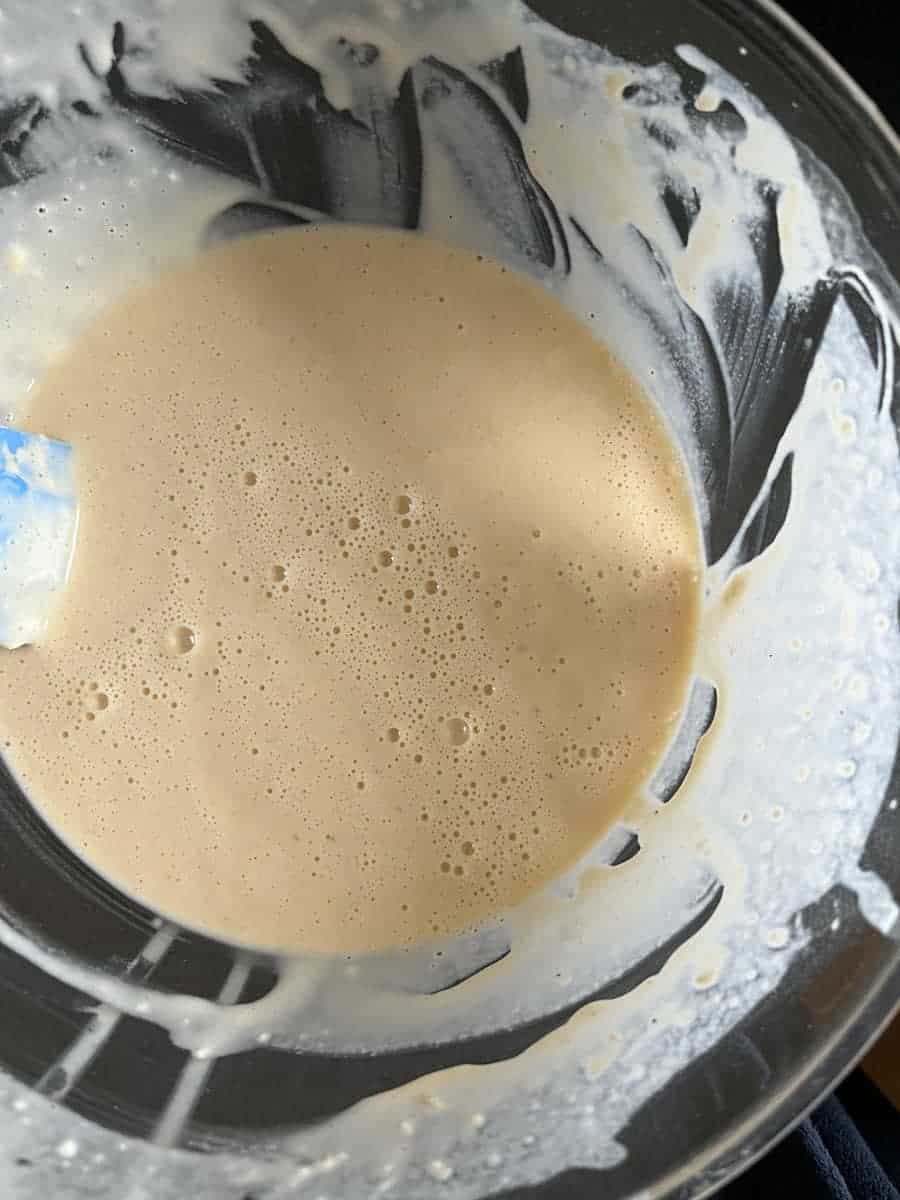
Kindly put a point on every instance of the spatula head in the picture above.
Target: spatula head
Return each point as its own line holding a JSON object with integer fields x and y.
{"x": 38, "y": 523}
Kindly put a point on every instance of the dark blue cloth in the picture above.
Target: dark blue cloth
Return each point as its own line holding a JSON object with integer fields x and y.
{"x": 849, "y": 1149}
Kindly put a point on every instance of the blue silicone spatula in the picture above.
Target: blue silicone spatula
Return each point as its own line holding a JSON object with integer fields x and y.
{"x": 38, "y": 523}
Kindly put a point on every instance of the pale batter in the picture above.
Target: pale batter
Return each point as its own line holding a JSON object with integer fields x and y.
{"x": 385, "y": 596}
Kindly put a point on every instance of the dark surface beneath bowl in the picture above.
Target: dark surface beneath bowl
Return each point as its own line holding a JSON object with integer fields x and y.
{"x": 855, "y": 34}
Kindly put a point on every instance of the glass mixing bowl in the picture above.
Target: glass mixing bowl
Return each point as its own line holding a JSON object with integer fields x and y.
{"x": 112, "y": 111}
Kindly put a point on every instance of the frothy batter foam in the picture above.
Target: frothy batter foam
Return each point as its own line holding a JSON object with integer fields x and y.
{"x": 385, "y": 598}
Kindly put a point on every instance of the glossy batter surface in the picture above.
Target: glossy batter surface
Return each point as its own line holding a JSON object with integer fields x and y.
{"x": 385, "y": 597}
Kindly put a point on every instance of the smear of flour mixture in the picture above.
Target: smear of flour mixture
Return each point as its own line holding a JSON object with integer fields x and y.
{"x": 678, "y": 225}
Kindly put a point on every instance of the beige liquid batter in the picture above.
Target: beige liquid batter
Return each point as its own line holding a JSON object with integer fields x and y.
{"x": 385, "y": 596}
